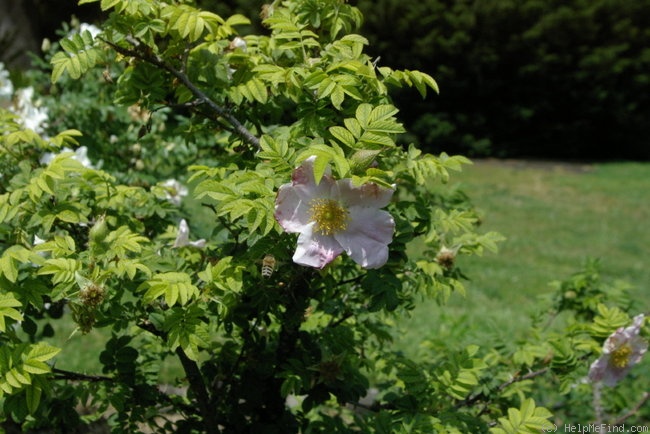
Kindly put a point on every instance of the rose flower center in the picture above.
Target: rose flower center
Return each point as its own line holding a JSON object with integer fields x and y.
{"x": 329, "y": 215}
{"x": 621, "y": 357}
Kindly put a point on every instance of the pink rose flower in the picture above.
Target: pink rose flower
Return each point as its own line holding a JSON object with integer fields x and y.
{"x": 623, "y": 349}
{"x": 335, "y": 216}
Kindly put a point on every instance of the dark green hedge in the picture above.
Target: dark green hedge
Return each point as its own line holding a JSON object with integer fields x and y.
{"x": 535, "y": 78}
{"x": 542, "y": 78}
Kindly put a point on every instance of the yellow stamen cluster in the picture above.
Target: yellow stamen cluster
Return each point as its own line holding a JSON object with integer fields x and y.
{"x": 329, "y": 215}
{"x": 621, "y": 357}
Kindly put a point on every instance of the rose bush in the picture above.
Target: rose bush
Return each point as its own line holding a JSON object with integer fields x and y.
{"x": 245, "y": 141}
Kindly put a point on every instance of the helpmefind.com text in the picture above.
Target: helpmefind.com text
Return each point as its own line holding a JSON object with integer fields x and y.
{"x": 599, "y": 428}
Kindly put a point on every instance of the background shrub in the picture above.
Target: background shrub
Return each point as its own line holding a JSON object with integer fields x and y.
{"x": 555, "y": 79}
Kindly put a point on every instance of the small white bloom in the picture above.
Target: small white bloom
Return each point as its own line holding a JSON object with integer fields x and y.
{"x": 174, "y": 191}
{"x": 80, "y": 154}
{"x": 6, "y": 86}
{"x": 183, "y": 237}
{"x": 238, "y": 43}
{"x": 93, "y": 29}
{"x": 31, "y": 116}
{"x": 37, "y": 242}
{"x": 335, "y": 216}
{"x": 623, "y": 349}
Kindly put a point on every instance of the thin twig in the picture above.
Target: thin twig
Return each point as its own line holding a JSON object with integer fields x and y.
{"x": 156, "y": 60}
{"x": 61, "y": 374}
{"x": 481, "y": 396}
{"x": 519, "y": 378}
{"x": 341, "y": 320}
{"x": 644, "y": 398}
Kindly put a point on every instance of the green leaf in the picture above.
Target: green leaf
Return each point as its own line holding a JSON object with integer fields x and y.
{"x": 12, "y": 380}
{"x": 123, "y": 241}
{"x": 528, "y": 419}
{"x": 107, "y": 4}
{"x": 415, "y": 378}
{"x": 10, "y": 260}
{"x": 237, "y": 20}
{"x": 33, "y": 396}
{"x": 175, "y": 287}
{"x": 62, "y": 269}
{"x": 257, "y": 90}
{"x": 343, "y": 135}
{"x": 382, "y": 113}
{"x": 41, "y": 352}
{"x": 189, "y": 22}
{"x": 363, "y": 114}
{"x": 187, "y": 329}
{"x": 7, "y": 304}
{"x": 608, "y": 320}
{"x": 420, "y": 80}
{"x": 324, "y": 156}
{"x": 79, "y": 56}
{"x": 34, "y": 366}
{"x": 337, "y": 96}
{"x": 353, "y": 126}
{"x": 326, "y": 87}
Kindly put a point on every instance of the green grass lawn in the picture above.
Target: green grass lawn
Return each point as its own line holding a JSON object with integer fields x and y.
{"x": 555, "y": 216}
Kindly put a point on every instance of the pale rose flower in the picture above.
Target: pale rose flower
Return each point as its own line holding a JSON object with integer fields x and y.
{"x": 335, "y": 216}
{"x": 93, "y": 29}
{"x": 174, "y": 191}
{"x": 238, "y": 42}
{"x": 623, "y": 349}
{"x": 183, "y": 237}
{"x": 6, "y": 86}
{"x": 31, "y": 116}
{"x": 80, "y": 154}
{"x": 37, "y": 242}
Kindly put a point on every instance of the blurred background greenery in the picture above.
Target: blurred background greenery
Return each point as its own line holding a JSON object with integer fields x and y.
{"x": 563, "y": 79}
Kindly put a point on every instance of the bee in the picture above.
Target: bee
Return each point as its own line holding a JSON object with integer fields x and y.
{"x": 268, "y": 265}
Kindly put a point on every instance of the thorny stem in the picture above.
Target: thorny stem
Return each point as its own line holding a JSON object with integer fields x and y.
{"x": 61, "y": 374}
{"x": 195, "y": 378}
{"x": 198, "y": 386}
{"x": 154, "y": 59}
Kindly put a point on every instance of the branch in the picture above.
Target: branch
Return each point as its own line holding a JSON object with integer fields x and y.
{"x": 197, "y": 386}
{"x": 61, "y": 374}
{"x": 519, "y": 378}
{"x": 154, "y": 59}
{"x": 481, "y": 396}
{"x": 341, "y": 320}
{"x": 644, "y": 398}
